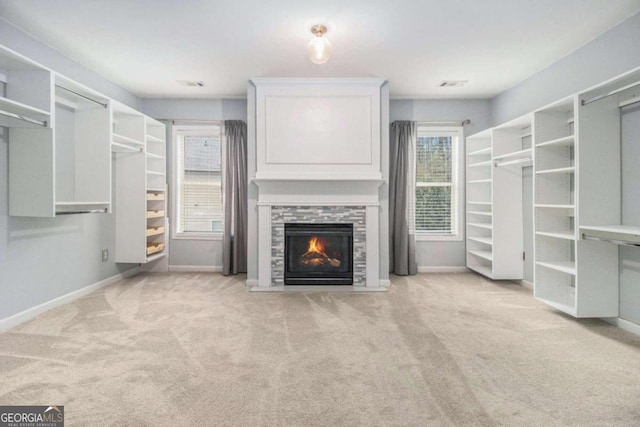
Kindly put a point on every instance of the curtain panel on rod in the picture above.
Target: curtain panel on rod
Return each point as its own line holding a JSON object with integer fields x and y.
{"x": 402, "y": 239}
{"x": 234, "y": 252}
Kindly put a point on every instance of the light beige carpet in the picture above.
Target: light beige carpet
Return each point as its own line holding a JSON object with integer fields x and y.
{"x": 199, "y": 349}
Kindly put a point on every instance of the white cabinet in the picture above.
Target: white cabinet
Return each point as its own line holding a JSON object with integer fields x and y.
{"x": 139, "y": 157}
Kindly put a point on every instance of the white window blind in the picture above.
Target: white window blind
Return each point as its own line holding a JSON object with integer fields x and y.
{"x": 199, "y": 181}
{"x": 436, "y": 193}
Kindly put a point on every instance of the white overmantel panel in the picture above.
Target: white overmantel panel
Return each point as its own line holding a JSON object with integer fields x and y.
{"x": 318, "y": 127}
{"x": 318, "y": 192}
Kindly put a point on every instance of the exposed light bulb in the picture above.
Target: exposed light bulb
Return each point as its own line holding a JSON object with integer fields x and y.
{"x": 319, "y": 48}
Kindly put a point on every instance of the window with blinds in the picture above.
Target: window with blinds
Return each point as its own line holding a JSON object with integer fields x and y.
{"x": 436, "y": 192}
{"x": 199, "y": 180}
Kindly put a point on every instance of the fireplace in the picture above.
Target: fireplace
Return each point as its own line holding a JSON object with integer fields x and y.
{"x": 318, "y": 254}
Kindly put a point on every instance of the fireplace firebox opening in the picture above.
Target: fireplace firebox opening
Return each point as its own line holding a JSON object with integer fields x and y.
{"x": 318, "y": 254}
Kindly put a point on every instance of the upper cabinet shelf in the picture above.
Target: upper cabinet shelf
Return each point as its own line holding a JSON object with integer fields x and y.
{"x": 17, "y": 114}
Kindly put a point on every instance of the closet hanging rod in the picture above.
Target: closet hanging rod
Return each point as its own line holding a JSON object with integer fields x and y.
{"x": 104, "y": 104}
{"x": 82, "y": 211}
{"x": 447, "y": 122}
{"x": 23, "y": 118}
{"x": 173, "y": 121}
{"x": 629, "y": 102}
{"x": 616, "y": 241}
{"x": 606, "y": 95}
{"x": 127, "y": 147}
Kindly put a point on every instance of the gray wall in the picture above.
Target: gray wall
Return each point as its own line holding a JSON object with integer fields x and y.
{"x": 607, "y": 56}
{"x": 42, "y": 259}
{"x": 443, "y": 254}
{"x": 193, "y": 252}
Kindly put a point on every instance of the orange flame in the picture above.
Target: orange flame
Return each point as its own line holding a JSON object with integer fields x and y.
{"x": 316, "y": 245}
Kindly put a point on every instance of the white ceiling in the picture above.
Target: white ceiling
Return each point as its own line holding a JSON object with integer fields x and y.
{"x": 146, "y": 45}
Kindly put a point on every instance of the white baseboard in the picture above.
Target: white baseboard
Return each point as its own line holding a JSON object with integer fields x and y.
{"x": 30, "y": 313}
{"x": 385, "y": 283}
{"x": 450, "y": 269}
{"x": 624, "y": 324}
{"x": 195, "y": 269}
{"x": 251, "y": 283}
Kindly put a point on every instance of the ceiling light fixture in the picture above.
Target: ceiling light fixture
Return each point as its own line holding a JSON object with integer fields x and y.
{"x": 319, "y": 48}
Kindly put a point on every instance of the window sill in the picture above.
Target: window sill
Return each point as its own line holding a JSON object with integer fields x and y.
{"x": 439, "y": 238}
{"x": 196, "y": 236}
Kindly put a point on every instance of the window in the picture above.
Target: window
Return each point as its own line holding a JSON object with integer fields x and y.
{"x": 437, "y": 194}
{"x": 198, "y": 181}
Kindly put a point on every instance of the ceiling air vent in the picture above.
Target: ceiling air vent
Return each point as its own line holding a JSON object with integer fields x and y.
{"x": 453, "y": 83}
{"x": 190, "y": 83}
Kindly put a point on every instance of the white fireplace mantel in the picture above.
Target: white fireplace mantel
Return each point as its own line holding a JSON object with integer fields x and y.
{"x": 318, "y": 143}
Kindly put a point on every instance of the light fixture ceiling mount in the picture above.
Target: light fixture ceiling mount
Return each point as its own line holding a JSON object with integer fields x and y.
{"x": 319, "y": 48}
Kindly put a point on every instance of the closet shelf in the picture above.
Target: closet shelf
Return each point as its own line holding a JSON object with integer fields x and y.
{"x": 154, "y": 231}
{"x": 155, "y": 214}
{"x": 557, "y": 235}
{"x": 481, "y": 151}
{"x": 560, "y": 142}
{"x": 156, "y": 256}
{"x": 154, "y": 156}
{"x": 621, "y": 234}
{"x": 478, "y": 225}
{"x": 22, "y": 115}
{"x": 488, "y": 255}
{"x": 554, "y": 206}
{"x": 152, "y": 248}
{"x": 480, "y": 181}
{"x": 155, "y": 195}
{"x": 565, "y": 308}
{"x": 514, "y": 155}
{"x": 484, "y": 240}
{"x": 155, "y": 173}
{"x": 570, "y": 169}
{"x": 151, "y": 138}
{"x": 479, "y": 164}
{"x": 480, "y": 213}
{"x": 155, "y": 190}
{"x": 568, "y": 267}
{"x": 482, "y": 269}
{"x": 479, "y": 203}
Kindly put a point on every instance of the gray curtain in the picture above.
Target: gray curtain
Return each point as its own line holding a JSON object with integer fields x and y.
{"x": 402, "y": 242}
{"x": 234, "y": 252}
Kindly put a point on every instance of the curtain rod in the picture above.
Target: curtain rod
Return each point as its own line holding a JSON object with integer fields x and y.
{"x": 446, "y": 122}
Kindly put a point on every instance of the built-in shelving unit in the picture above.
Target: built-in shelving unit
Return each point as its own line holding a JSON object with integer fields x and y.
{"x": 554, "y": 205}
{"x": 140, "y": 186}
{"x": 495, "y": 159}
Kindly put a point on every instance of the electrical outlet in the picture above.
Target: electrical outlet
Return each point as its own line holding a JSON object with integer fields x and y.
{"x": 105, "y": 255}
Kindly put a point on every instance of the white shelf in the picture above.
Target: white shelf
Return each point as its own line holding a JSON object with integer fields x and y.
{"x": 565, "y": 236}
{"x": 151, "y": 138}
{"x": 478, "y": 225}
{"x": 565, "y": 308}
{"x": 515, "y": 155}
{"x": 480, "y": 213}
{"x": 615, "y": 233}
{"x": 35, "y": 117}
{"x": 81, "y": 203}
{"x": 554, "y": 206}
{"x": 482, "y": 269}
{"x": 155, "y": 173}
{"x": 570, "y": 169}
{"x": 478, "y": 152}
{"x": 483, "y": 240}
{"x": 480, "y": 181}
{"x": 479, "y": 164}
{"x": 488, "y": 255}
{"x": 117, "y": 138}
{"x": 155, "y": 189}
{"x": 156, "y": 256}
{"x": 154, "y": 156}
{"x": 560, "y": 142}
{"x": 568, "y": 267}
{"x": 479, "y": 203}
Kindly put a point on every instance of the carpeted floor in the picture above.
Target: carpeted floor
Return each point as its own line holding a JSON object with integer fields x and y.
{"x": 438, "y": 349}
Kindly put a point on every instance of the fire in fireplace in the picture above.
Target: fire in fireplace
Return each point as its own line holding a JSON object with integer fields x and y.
{"x": 318, "y": 254}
